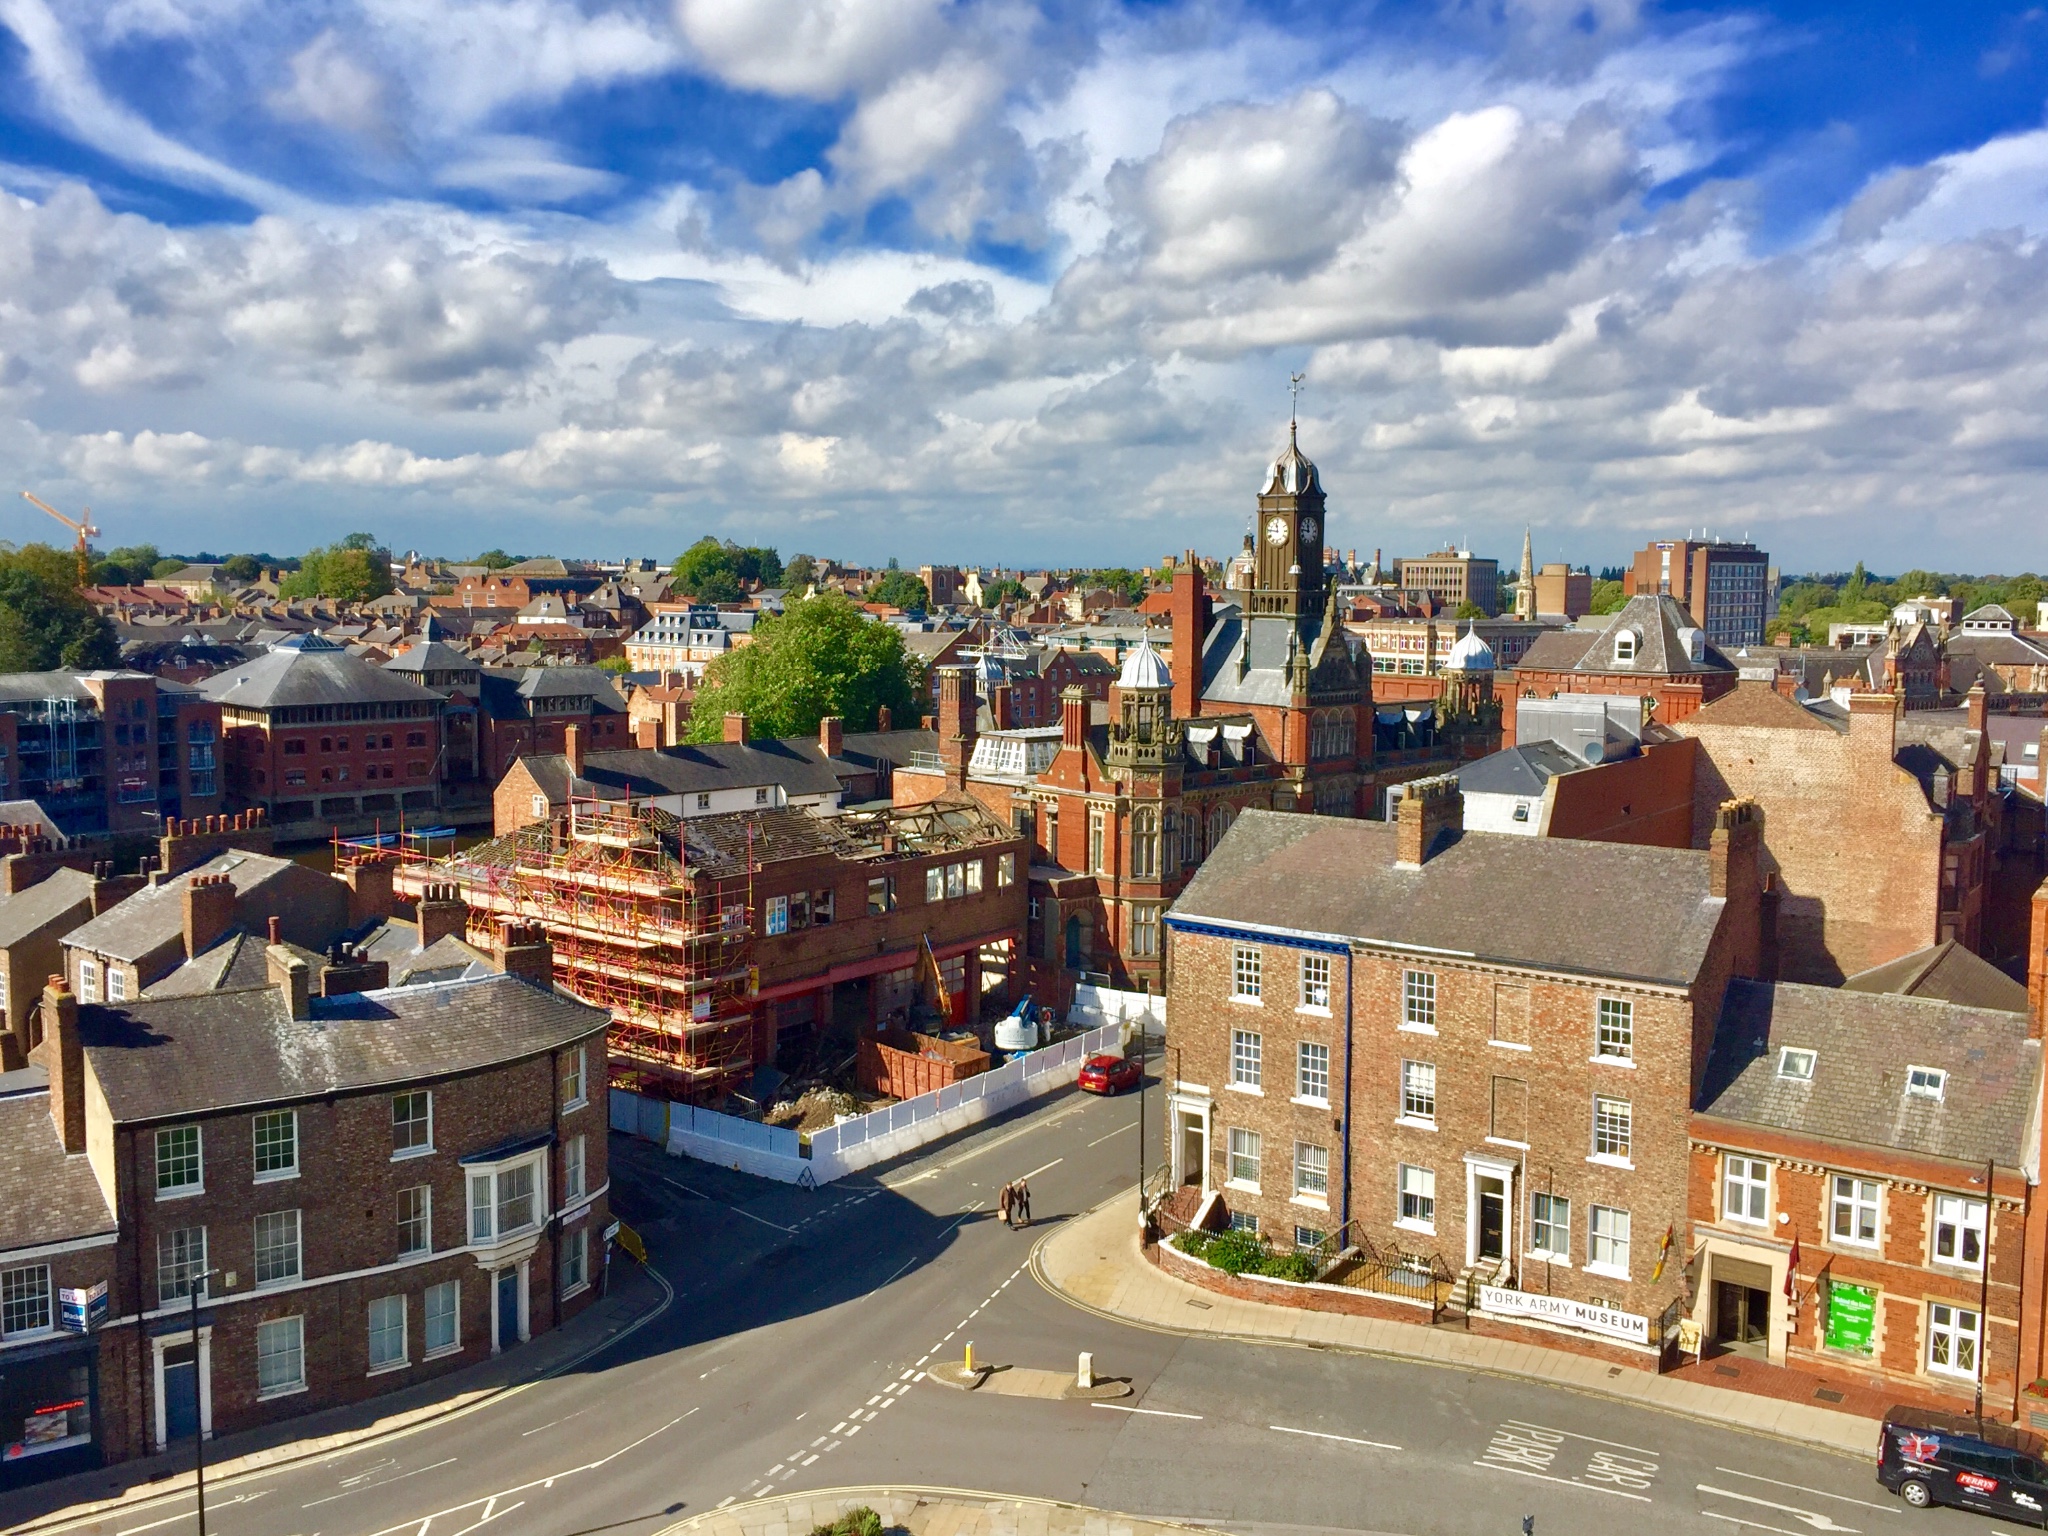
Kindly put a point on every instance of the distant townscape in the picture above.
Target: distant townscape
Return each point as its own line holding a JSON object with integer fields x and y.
{"x": 1647, "y": 966}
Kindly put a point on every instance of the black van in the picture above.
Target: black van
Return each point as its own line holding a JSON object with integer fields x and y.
{"x": 1928, "y": 1457}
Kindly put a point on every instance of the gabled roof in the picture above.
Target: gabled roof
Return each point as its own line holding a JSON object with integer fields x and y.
{"x": 51, "y": 1198}
{"x": 308, "y": 670}
{"x": 1240, "y": 672}
{"x": 507, "y": 693}
{"x": 155, "y": 915}
{"x": 1946, "y": 972}
{"x": 186, "y": 1056}
{"x": 1760, "y": 706}
{"x": 1599, "y": 909}
{"x": 1863, "y": 1043}
{"x": 425, "y": 656}
{"x": 1662, "y": 628}
{"x": 1522, "y": 771}
{"x": 49, "y": 899}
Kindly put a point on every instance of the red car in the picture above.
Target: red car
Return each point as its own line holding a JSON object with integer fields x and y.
{"x": 1110, "y": 1074}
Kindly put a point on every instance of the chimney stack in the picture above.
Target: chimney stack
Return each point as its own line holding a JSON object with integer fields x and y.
{"x": 522, "y": 950}
{"x": 1735, "y": 873}
{"x": 2037, "y": 966}
{"x": 442, "y": 912}
{"x": 572, "y": 748}
{"x": 290, "y": 972}
{"x": 647, "y": 734}
{"x": 736, "y": 727}
{"x": 958, "y": 706}
{"x": 885, "y": 718}
{"x": 64, "y": 1060}
{"x": 1073, "y": 717}
{"x": 1873, "y": 723}
{"x": 1189, "y": 609}
{"x": 369, "y": 891}
{"x": 832, "y": 735}
{"x": 1431, "y": 814}
{"x": 209, "y": 902}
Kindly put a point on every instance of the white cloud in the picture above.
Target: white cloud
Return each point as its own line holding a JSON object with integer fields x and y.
{"x": 816, "y": 48}
{"x": 329, "y": 86}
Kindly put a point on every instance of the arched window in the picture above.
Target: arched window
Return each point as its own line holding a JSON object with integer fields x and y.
{"x": 1219, "y": 823}
{"x": 1625, "y": 645}
{"x": 1145, "y": 843}
{"x": 1191, "y": 838}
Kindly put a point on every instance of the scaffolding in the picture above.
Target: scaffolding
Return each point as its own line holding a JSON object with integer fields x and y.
{"x": 639, "y": 928}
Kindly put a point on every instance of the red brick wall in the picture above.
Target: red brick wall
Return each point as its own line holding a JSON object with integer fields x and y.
{"x": 1646, "y": 800}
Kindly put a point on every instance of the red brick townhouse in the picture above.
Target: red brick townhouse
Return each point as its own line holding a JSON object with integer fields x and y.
{"x": 1866, "y": 1189}
{"x": 1470, "y": 1049}
{"x": 364, "y": 1189}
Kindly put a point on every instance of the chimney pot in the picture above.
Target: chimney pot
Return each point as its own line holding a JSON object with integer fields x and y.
{"x": 1431, "y": 812}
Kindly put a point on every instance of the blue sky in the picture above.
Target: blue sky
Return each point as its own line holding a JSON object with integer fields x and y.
{"x": 990, "y": 281}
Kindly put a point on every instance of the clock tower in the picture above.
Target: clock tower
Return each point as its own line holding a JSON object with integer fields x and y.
{"x": 1287, "y": 536}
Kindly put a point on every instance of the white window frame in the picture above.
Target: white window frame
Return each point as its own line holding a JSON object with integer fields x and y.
{"x": 1006, "y": 870}
{"x": 1962, "y": 1216}
{"x": 576, "y": 1262}
{"x": 1607, "y": 1251}
{"x": 1418, "y": 1001}
{"x": 1862, "y": 1195}
{"x": 1745, "y": 1189}
{"x": 1926, "y": 1083}
{"x": 573, "y": 1185}
{"x": 1315, "y": 983}
{"x": 1948, "y": 1329}
{"x": 376, "y": 1330}
{"x": 1311, "y": 1182}
{"x": 291, "y": 1221}
{"x": 1306, "y": 1075}
{"x": 117, "y": 984}
{"x": 775, "y": 916}
{"x": 1618, "y": 1043}
{"x": 1247, "y": 977}
{"x": 488, "y": 1233}
{"x": 426, "y": 1219}
{"x": 1418, "y": 1094}
{"x": 1796, "y": 1064}
{"x": 399, "y": 1153}
{"x": 268, "y": 1333}
{"x": 1550, "y": 1234}
{"x": 1247, "y": 1147}
{"x": 1415, "y": 1186}
{"x": 435, "y": 1351}
{"x": 1308, "y": 1239}
{"x": 1614, "y": 1126}
{"x": 256, "y": 1121}
{"x": 1247, "y": 1061}
{"x": 88, "y": 981}
{"x": 27, "y": 1283}
{"x": 576, "y": 1090}
{"x": 198, "y": 1185}
{"x": 193, "y": 1268}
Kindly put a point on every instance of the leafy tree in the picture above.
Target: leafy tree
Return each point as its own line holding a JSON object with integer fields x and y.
{"x": 169, "y": 566}
{"x": 129, "y": 566}
{"x": 1009, "y": 590}
{"x": 707, "y": 571}
{"x": 617, "y": 665}
{"x": 900, "y": 589}
{"x": 353, "y": 571}
{"x": 1469, "y": 610}
{"x": 801, "y": 571}
{"x": 45, "y": 622}
{"x": 1608, "y": 597}
{"x": 496, "y": 560}
{"x": 1129, "y": 584}
{"x": 241, "y": 569}
{"x": 823, "y": 657}
{"x": 758, "y": 565}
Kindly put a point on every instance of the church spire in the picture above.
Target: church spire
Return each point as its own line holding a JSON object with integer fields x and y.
{"x": 1525, "y": 589}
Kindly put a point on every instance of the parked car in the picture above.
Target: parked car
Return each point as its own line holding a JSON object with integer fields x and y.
{"x": 1928, "y": 1457}
{"x": 1110, "y": 1074}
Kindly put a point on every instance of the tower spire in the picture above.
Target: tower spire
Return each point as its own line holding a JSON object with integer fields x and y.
{"x": 1525, "y": 589}
{"x": 1293, "y": 402}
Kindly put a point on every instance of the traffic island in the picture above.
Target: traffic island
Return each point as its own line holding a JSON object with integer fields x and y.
{"x": 966, "y": 1373}
{"x": 922, "y": 1512}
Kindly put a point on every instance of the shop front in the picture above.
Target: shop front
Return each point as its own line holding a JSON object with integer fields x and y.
{"x": 49, "y": 1410}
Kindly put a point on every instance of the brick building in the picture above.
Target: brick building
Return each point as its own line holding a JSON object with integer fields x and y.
{"x": 528, "y": 710}
{"x": 1858, "y": 1160}
{"x": 685, "y": 638}
{"x": 515, "y": 586}
{"x": 1452, "y": 576}
{"x": 1651, "y": 648}
{"x": 1725, "y": 586}
{"x": 1881, "y": 823}
{"x": 1474, "y": 1050}
{"x": 108, "y": 752}
{"x": 365, "y": 1190}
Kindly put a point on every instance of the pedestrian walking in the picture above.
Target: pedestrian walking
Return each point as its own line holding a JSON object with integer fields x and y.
{"x": 1006, "y": 1202}
{"x": 1024, "y": 1202}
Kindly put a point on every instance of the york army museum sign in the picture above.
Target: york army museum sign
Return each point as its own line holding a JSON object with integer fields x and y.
{"x": 1561, "y": 1310}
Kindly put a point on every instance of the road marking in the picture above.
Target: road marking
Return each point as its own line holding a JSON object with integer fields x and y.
{"x": 1128, "y": 1125}
{"x": 904, "y": 1377}
{"x": 819, "y": 1441}
{"x": 810, "y": 1458}
{"x": 1758, "y": 1525}
{"x": 839, "y": 1428}
{"x": 1816, "y": 1522}
{"x": 775, "y": 1469}
{"x": 922, "y": 1358}
{"x": 1590, "y": 1440}
{"x": 1157, "y": 1413}
{"x": 1569, "y": 1482}
{"x": 874, "y": 1400}
{"x": 565, "y": 1418}
{"x": 244, "y": 1499}
{"x": 1886, "y": 1509}
{"x": 725, "y": 1501}
{"x": 1034, "y": 1173}
{"x": 736, "y": 1210}
{"x": 855, "y": 1430}
{"x": 380, "y": 1483}
{"x": 1316, "y": 1434}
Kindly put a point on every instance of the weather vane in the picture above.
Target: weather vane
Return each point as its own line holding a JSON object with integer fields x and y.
{"x": 1294, "y": 396}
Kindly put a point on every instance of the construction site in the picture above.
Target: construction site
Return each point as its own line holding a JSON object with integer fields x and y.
{"x": 735, "y": 951}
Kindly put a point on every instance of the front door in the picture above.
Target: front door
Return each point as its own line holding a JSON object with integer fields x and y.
{"x": 1742, "y": 1318}
{"x": 181, "y": 1384}
{"x": 1493, "y": 1218}
{"x": 1192, "y": 1159}
{"x": 508, "y": 1308}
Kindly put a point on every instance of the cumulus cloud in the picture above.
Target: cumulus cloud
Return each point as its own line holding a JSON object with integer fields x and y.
{"x": 330, "y": 86}
{"x": 816, "y": 48}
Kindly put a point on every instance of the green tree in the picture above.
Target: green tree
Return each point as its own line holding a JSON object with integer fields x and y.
{"x": 823, "y": 657}
{"x": 353, "y": 571}
{"x": 1008, "y": 590}
{"x": 44, "y": 620}
{"x": 1130, "y": 584}
{"x": 760, "y": 566}
{"x": 707, "y": 572}
{"x": 1608, "y": 597}
{"x": 617, "y": 665}
{"x": 496, "y": 560}
{"x": 900, "y": 589}
{"x": 801, "y": 571}
{"x": 129, "y": 566}
{"x": 241, "y": 569}
{"x": 1469, "y": 610}
{"x": 169, "y": 566}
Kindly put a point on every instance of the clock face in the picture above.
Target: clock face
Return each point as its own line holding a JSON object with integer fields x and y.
{"x": 1309, "y": 530}
{"x": 1276, "y": 531}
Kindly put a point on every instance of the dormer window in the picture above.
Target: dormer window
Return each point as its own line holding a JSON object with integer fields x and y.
{"x": 1926, "y": 1083}
{"x": 1796, "y": 1065}
{"x": 1625, "y": 642}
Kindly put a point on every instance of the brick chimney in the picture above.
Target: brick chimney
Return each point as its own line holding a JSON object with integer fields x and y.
{"x": 64, "y": 1060}
{"x": 441, "y": 912}
{"x": 647, "y": 734}
{"x": 1431, "y": 816}
{"x": 1735, "y": 873}
{"x": 885, "y": 718}
{"x": 1002, "y": 707}
{"x": 522, "y": 950}
{"x": 349, "y": 969}
{"x": 1787, "y": 683}
{"x": 1189, "y": 609}
{"x": 958, "y": 705}
{"x": 1873, "y": 724}
{"x": 1073, "y": 717}
{"x": 735, "y": 727}
{"x": 832, "y": 735}
{"x": 290, "y": 972}
{"x": 572, "y": 749}
{"x": 209, "y": 902}
{"x": 369, "y": 891}
{"x": 2037, "y": 966}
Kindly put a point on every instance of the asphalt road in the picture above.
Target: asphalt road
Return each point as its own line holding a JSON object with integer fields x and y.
{"x": 790, "y": 1359}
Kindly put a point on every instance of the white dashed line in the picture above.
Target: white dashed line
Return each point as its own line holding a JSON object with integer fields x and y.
{"x": 839, "y": 1428}
{"x": 1316, "y": 1434}
{"x": 1157, "y": 1413}
{"x": 810, "y": 1458}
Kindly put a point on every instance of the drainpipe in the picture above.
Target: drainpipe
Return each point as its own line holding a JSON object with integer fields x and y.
{"x": 1346, "y": 1210}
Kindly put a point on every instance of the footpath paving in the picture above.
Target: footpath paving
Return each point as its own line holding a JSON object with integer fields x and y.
{"x": 638, "y": 1296}
{"x": 924, "y": 1512}
{"x": 1095, "y": 1262}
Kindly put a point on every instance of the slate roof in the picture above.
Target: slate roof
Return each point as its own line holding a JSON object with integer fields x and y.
{"x": 508, "y": 693}
{"x": 1521, "y": 770}
{"x": 430, "y": 656}
{"x": 51, "y": 1198}
{"x": 1558, "y": 650}
{"x": 1600, "y": 909}
{"x": 28, "y": 813}
{"x": 1758, "y": 705}
{"x": 1863, "y": 1043}
{"x": 34, "y": 687}
{"x": 26, "y": 913}
{"x": 308, "y": 670}
{"x": 1661, "y": 649}
{"x": 1948, "y": 973}
{"x": 234, "y": 964}
{"x": 797, "y": 763}
{"x": 153, "y": 916}
{"x": 1233, "y": 674}
{"x": 185, "y": 1056}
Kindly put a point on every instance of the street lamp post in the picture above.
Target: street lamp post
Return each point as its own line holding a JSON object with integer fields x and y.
{"x": 1984, "y": 1289}
{"x": 198, "y": 1409}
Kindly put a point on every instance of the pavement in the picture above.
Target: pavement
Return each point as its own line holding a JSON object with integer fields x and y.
{"x": 1096, "y": 1262}
{"x": 922, "y": 1512}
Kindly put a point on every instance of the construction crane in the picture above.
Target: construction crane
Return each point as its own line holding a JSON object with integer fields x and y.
{"x": 84, "y": 529}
